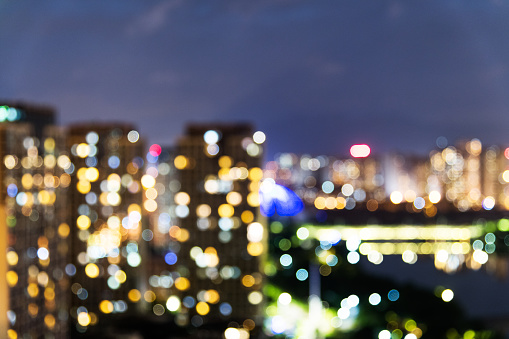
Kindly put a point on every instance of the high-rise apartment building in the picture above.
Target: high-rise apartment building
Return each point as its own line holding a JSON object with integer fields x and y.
{"x": 106, "y": 225}
{"x": 33, "y": 249}
{"x": 217, "y": 238}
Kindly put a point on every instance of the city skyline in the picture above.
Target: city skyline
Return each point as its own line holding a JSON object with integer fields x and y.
{"x": 337, "y": 73}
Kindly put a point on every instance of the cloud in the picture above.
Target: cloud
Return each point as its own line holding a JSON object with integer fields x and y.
{"x": 153, "y": 19}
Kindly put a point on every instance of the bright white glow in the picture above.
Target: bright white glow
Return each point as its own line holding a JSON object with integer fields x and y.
{"x": 434, "y": 197}
{"x": 43, "y": 253}
{"x": 259, "y": 137}
{"x": 480, "y": 256}
{"x": 488, "y": 203}
{"x": 396, "y": 197}
{"x": 353, "y": 300}
{"x": 360, "y": 151}
{"x": 284, "y": 298}
{"x": 211, "y": 137}
{"x": 278, "y": 325}
{"x": 134, "y": 259}
{"x": 302, "y": 233}
{"x": 447, "y": 295}
{"x": 173, "y": 303}
{"x": 442, "y": 256}
{"x": 410, "y": 257}
{"x": 255, "y": 232}
{"x": 347, "y": 190}
{"x": 232, "y": 333}
{"x": 375, "y": 299}
{"x": 343, "y": 313}
{"x": 353, "y": 257}
{"x": 410, "y": 336}
{"x": 384, "y": 335}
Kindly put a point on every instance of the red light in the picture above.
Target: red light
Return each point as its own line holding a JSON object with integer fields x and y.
{"x": 360, "y": 151}
{"x": 506, "y": 153}
{"x": 155, "y": 150}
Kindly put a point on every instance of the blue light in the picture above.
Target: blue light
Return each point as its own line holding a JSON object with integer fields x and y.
{"x": 225, "y": 309}
{"x": 113, "y": 161}
{"x": 302, "y": 274}
{"x": 393, "y": 295}
{"x": 170, "y": 258}
{"x": 278, "y": 199}
{"x": 12, "y": 190}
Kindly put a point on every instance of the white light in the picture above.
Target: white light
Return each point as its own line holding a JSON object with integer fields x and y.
{"x": 343, "y": 313}
{"x": 480, "y": 256}
{"x": 259, "y": 137}
{"x": 384, "y": 335}
{"x": 173, "y": 303}
{"x": 284, "y": 298}
{"x": 43, "y": 253}
{"x": 375, "y": 299}
{"x": 353, "y": 257}
{"x": 211, "y": 137}
{"x": 442, "y": 256}
{"x": 353, "y": 300}
{"x": 447, "y": 295}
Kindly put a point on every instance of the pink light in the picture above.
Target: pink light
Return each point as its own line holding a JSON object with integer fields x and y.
{"x": 506, "y": 153}
{"x": 360, "y": 151}
{"x": 155, "y": 150}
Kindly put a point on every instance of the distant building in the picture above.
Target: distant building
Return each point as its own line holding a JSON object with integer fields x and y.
{"x": 217, "y": 237}
{"x": 106, "y": 225}
{"x": 33, "y": 242}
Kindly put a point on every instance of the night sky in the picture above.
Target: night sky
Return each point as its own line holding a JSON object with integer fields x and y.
{"x": 316, "y": 76}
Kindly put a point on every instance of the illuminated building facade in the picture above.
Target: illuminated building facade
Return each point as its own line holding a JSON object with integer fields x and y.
{"x": 106, "y": 223}
{"x": 33, "y": 226}
{"x": 215, "y": 222}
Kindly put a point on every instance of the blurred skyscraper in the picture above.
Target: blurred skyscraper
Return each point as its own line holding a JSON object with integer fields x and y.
{"x": 216, "y": 236}
{"x": 33, "y": 245}
{"x": 105, "y": 209}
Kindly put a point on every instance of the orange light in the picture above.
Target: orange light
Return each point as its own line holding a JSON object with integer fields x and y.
{"x": 360, "y": 151}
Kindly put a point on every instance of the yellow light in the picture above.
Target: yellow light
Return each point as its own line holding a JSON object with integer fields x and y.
{"x": 203, "y": 211}
{"x": 149, "y": 296}
{"x": 12, "y": 258}
{"x": 27, "y": 181}
{"x": 225, "y": 161}
{"x": 247, "y": 217}
{"x": 64, "y": 230}
{"x": 226, "y": 211}
{"x": 33, "y": 309}
{"x": 253, "y": 199}
{"x": 84, "y": 319}
{"x": 10, "y": 161}
{"x": 83, "y": 186}
{"x": 33, "y": 290}
{"x": 92, "y": 270}
{"x": 255, "y": 248}
{"x": 12, "y": 278}
{"x": 106, "y": 306}
{"x": 83, "y": 150}
{"x": 255, "y": 174}
{"x": 248, "y": 280}
{"x": 212, "y": 296}
{"x": 183, "y": 235}
{"x": 182, "y": 283}
{"x": 134, "y": 295}
{"x": 202, "y": 308}
{"x": 234, "y": 198}
{"x": 182, "y": 198}
{"x": 180, "y": 162}
{"x": 150, "y": 205}
{"x": 255, "y": 297}
{"x": 49, "y": 321}
{"x": 120, "y": 276}
{"x": 92, "y": 174}
{"x": 505, "y": 176}
{"x": 320, "y": 203}
{"x": 11, "y": 334}
{"x": 83, "y": 222}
